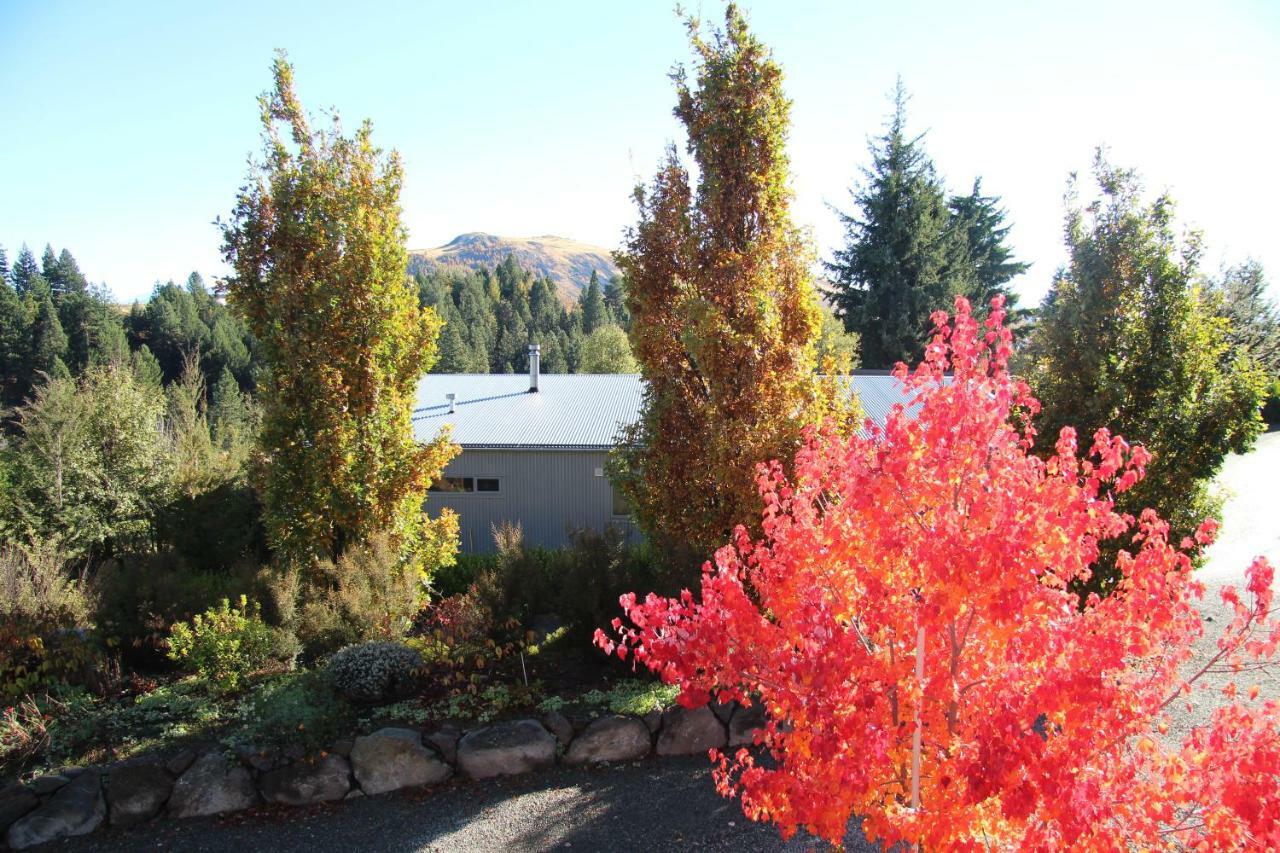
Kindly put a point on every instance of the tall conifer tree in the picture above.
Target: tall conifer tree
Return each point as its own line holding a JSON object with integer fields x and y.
{"x": 26, "y": 275}
{"x": 981, "y": 222}
{"x": 902, "y": 260}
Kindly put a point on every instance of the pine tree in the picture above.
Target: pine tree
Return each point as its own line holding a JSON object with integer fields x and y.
{"x": 724, "y": 313}
{"x": 317, "y": 251}
{"x": 146, "y": 368}
{"x": 901, "y": 260}
{"x": 49, "y": 269}
{"x": 455, "y": 355}
{"x": 615, "y": 299}
{"x": 48, "y": 343}
{"x": 594, "y": 311}
{"x": 981, "y": 220}
{"x": 63, "y": 274}
{"x": 26, "y": 275}
{"x": 15, "y": 338}
{"x": 4, "y": 266}
{"x": 228, "y": 411}
{"x": 1255, "y": 320}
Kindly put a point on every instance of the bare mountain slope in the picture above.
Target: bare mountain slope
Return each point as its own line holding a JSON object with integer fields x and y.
{"x": 566, "y": 262}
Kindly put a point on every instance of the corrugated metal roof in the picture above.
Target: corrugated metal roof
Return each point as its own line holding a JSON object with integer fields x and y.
{"x": 580, "y": 410}
{"x": 570, "y": 411}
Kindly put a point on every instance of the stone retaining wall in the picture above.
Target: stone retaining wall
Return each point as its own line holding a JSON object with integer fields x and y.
{"x": 77, "y": 801}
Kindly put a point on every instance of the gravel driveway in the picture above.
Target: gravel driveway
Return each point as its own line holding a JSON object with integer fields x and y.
{"x": 652, "y": 805}
{"x": 661, "y": 804}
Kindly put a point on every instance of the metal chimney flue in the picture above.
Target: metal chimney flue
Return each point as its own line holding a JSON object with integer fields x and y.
{"x": 535, "y": 366}
{"x": 453, "y": 402}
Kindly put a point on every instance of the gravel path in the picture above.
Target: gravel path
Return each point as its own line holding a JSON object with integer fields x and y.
{"x": 654, "y": 805}
{"x": 1250, "y": 527}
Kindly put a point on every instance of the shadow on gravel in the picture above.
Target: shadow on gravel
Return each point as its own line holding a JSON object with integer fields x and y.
{"x": 658, "y": 804}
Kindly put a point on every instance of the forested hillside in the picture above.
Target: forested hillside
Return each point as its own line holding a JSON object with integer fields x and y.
{"x": 54, "y": 321}
{"x": 568, "y": 263}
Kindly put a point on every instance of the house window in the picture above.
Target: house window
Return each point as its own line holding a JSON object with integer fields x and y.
{"x": 454, "y": 484}
{"x": 467, "y": 485}
{"x": 621, "y": 505}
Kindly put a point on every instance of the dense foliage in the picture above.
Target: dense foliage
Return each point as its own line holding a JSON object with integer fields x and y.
{"x": 908, "y": 624}
{"x": 724, "y": 312}
{"x": 491, "y": 316}
{"x": 909, "y": 249}
{"x": 1128, "y": 339}
{"x": 223, "y": 645}
{"x": 90, "y": 466}
{"x": 319, "y": 273}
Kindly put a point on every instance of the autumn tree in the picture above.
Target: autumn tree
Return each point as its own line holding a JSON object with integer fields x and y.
{"x": 723, "y": 311}
{"x": 317, "y": 251}
{"x": 1128, "y": 339}
{"x": 906, "y": 621}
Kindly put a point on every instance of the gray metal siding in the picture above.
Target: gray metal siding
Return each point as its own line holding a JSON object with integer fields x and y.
{"x": 547, "y": 491}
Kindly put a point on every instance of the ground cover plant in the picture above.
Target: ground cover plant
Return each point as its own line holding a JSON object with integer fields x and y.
{"x": 908, "y": 621}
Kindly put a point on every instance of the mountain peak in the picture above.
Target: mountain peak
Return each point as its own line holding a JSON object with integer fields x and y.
{"x": 566, "y": 262}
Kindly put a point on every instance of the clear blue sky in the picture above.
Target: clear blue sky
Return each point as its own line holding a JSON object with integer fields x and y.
{"x": 127, "y": 125}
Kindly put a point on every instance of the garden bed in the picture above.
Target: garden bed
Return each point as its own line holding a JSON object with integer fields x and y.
{"x": 209, "y": 766}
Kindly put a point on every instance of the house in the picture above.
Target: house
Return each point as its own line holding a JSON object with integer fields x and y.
{"x": 535, "y": 447}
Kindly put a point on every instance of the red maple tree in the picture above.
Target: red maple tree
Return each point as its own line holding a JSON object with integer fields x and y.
{"x": 908, "y": 623}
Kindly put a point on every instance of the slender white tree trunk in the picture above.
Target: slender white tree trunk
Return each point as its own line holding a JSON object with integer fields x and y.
{"x": 917, "y": 738}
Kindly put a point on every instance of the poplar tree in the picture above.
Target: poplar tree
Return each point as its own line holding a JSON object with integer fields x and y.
{"x": 317, "y": 249}
{"x": 724, "y": 313}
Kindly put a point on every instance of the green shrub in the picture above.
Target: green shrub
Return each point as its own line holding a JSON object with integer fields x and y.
{"x": 370, "y": 593}
{"x": 580, "y": 583}
{"x": 1271, "y": 403}
{"x": 376, "y": 672}
{"x": 634, "y": 697}
{"x": 292, "y": 708}
{"x": 214, "y": 529}
{"x": 44, "y": 644}
{"x": 141, "y": 596}
{"x": 223, "y": 644}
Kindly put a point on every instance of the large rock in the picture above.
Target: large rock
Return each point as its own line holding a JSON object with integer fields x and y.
{"x": 610, "y": 739}
{"x": 212, "y": 786}
{"x": 743, "y": 724}
{"x": 445, "y": 741}
{"x": 180, "y": 762}
{"x": 137, "y": 792}
{"x": 45, "y": 785}
{"x": 558, "y": 724}
{"x": 76, "y": 809}
{"x": 306, "y": 782}
{"x": 15, "y": 801}
{"x": 394, "y": 758}
{"x": 506, "y": 749}
{"x": 690, "y": 731}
